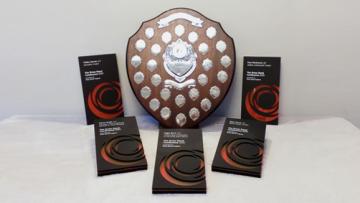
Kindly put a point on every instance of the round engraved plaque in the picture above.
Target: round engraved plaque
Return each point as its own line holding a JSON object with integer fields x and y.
{"x": 187, "y": 62}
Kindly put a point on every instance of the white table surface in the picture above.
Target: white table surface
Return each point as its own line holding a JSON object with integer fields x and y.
{"x": 52, "y": 159}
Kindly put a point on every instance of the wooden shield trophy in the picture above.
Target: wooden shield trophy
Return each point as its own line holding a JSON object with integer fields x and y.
{"x": 180, "y": 65}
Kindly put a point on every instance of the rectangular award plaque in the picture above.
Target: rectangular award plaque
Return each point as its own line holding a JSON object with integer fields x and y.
{"x": 261, "y": 89}
{"x": 118, "y": 146}
{"x": 240, "y": 148}
{"x": 179, "y": 165}
{"x": 101, "y": 87}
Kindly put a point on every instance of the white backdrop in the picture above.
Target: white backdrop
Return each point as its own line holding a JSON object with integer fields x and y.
{"x": 318, "y": 41}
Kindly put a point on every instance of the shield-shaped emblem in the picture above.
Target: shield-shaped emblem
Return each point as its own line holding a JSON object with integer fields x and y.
{"x": 180, "y": 65}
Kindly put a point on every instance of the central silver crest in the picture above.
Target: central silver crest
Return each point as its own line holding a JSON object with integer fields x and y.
{"x": 179, "y": 60}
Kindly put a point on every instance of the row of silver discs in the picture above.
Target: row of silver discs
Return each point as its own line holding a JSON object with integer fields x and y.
{"x": 165, "y": 93}
{"x": 180, "y": 101}
{"x": 203, "y": 48}
{"x": 207, "y": 64}
{"x": 156, "y": 79}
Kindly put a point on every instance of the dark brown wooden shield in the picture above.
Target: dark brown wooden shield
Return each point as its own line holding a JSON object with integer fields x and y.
{"x": 180, "y": 65}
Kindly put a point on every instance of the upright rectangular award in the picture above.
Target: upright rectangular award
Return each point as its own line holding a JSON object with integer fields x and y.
{"x": 261, "y": 89}
{"x": 101, "y": 87}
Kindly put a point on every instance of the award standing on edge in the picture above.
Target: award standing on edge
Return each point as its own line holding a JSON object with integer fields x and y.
{"x": 261, "y": 89}
{"x": 101, "y": 87}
